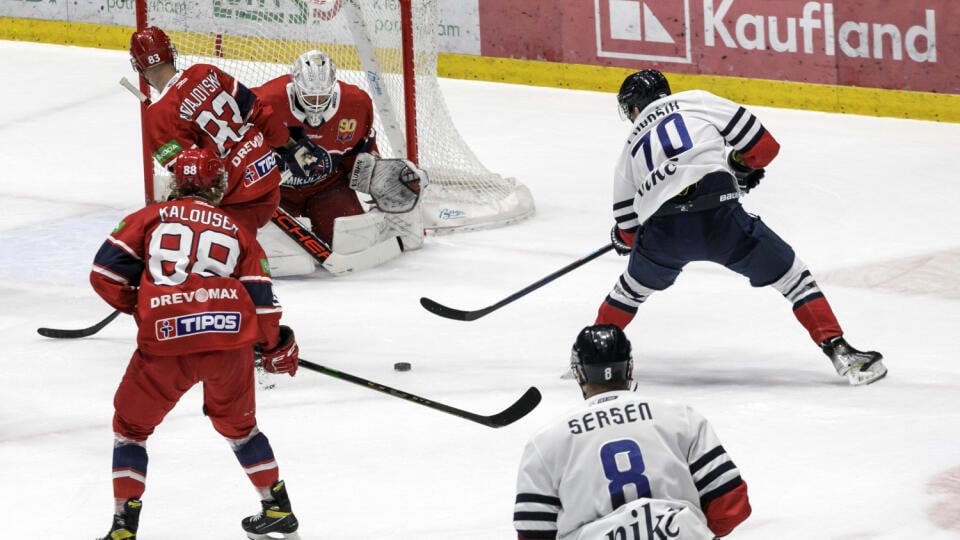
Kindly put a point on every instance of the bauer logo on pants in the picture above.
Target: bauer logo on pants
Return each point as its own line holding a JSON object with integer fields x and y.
{"x": 221, "y": 322}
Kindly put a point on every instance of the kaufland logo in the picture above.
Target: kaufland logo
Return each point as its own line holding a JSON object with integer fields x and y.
{"x": 651, "y": 30}
{"x": 659, "y": 30}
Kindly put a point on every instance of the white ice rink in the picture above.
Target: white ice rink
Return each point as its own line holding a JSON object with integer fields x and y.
{"x": 869, "y": 204}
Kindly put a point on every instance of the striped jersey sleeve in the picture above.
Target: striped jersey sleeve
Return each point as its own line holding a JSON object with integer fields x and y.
{"x": 537, "y": 504}
{"x": 744, "y": 132}
{"x": 722, "y": 491}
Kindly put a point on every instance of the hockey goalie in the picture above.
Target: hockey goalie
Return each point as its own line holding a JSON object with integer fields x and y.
{"x": 366, "y": 208}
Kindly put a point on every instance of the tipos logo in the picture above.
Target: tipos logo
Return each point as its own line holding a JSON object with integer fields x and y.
{"x": 219, "y": 322}
{"x": 651, "y": 30}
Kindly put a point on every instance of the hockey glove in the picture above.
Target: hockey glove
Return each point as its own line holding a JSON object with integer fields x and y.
{"x": 284, "y": 358}
{"x": 622, "y": 241}
{"x": 747, "y": 177}
{"x": 303, "y": 160}
{"x": 394, "y": 184}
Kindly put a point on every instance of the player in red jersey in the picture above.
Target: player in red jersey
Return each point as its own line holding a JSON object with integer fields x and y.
{"x": 199, "y": 289}
{"x": 332, "y": 152}
{"x": 202, "y": 106}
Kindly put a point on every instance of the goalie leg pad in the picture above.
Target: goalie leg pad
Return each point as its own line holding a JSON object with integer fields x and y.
{"x": 285, "y": 256}
{"x": 357, "y": 233}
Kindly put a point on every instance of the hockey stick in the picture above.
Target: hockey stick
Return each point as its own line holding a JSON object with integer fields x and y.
{"x": 82, "y": 332}
{"x": 463, "y": 315}
{"x": 520, "y": 408}
{"x": 335, "y": 263}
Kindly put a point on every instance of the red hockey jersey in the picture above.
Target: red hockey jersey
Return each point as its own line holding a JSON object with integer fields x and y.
{"x": 346, "y": 131}
{"x": 193, "y": 280}
{"x": 205, "y": 107}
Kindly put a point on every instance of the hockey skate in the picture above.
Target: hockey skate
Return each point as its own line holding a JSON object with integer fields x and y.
{"x": 858, "y": 366}
{"x": 276, "y": 520}
{"x": 125, "y": 523}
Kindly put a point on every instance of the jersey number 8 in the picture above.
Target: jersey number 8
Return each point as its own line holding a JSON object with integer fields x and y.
{"x": 623, "y": 466}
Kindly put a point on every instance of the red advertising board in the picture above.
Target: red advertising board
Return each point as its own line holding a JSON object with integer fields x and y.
{"x": 863, "y": 43}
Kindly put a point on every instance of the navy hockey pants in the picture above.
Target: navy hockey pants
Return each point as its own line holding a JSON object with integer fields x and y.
{"x": 726, "y": 235}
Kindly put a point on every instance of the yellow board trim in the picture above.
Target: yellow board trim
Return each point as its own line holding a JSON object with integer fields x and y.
{"x": 790, "y": 95}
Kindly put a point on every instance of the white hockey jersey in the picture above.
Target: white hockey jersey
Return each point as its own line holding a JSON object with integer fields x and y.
{"x": 616, "y": 450}
{"x": 675, "y": 142}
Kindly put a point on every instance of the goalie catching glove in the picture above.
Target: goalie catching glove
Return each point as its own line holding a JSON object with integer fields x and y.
{"x": 285, "y": 357}
{"x": 747, "y": 177}
{"x": 394, "y": 184}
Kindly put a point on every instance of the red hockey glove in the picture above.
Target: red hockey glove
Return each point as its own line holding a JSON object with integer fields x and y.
{"x": 622, "y": 241}
{"x": 285, "y": 356}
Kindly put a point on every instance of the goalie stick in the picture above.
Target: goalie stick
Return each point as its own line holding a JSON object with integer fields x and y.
{"x": 79, "y": 333}
{"x": 520, "y": 408}
{"x": 464, "y": 315}
{"x": 331, "y": 261}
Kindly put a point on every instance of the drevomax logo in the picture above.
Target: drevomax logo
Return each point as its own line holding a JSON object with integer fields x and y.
{"x": 817, "y": 30}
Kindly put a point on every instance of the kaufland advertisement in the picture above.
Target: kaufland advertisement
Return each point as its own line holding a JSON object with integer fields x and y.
{"x": 906, "y": 45}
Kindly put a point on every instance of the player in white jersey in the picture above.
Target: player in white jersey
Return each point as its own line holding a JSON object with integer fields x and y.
{"x": 622, "y": 466}
{"x": 676, "y": 200}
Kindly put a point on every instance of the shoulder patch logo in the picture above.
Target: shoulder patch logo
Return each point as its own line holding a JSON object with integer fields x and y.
{"x": 166, "y": 152}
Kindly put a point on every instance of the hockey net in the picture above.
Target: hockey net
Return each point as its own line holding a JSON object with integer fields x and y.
{"x": 256, "y": 41}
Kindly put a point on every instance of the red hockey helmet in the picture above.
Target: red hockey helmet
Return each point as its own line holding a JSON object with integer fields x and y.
{"x": 197, "y": 168}
{"x": 149, "y": 47}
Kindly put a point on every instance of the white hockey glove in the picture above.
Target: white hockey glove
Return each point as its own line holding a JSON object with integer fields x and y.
{"x": 394, "y": 184}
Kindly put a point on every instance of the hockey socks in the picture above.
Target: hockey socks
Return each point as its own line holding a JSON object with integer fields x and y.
{"x": 256, "y": 457}
{"x": 819, "y": 320}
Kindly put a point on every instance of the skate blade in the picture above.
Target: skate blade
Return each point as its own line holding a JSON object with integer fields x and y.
{"x": 274, "y": 536}
{"x": 872, "y": 374}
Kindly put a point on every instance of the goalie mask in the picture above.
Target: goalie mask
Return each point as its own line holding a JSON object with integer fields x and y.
{"x": 198, "y": 171}
{"x": 314, "y": 81}
{"x": 601, "y": 355}
{"x": 150, "y": 47}
{"x": 641, "y": 89}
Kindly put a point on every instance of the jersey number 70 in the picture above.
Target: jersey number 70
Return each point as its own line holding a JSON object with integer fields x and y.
{"x": 672, "y": 135}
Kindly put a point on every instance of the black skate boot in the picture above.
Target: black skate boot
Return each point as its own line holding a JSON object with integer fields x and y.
{"x": 858, "y": 366}
{"x": 125, "y": 523}
{"x": 275, "y": 520}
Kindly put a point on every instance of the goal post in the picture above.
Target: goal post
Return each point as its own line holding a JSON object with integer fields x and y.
{"x": 388, "y": 48}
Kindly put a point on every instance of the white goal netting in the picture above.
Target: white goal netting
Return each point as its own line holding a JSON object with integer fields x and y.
{"x": 257, "y": 40}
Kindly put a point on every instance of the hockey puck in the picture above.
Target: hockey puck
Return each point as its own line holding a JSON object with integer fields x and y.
{"x": 402, "y": 366}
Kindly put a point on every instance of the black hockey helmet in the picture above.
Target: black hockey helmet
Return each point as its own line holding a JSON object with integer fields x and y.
{"x": 641, "y": 89}
{"x": 601, "y": 355}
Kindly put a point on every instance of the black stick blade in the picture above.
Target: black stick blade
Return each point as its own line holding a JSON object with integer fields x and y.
{"x": 451, "y": 313}
{"x": 527, "y": 402}
{"x": 522, "y": 407}
{"x": 57, "y": 333}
